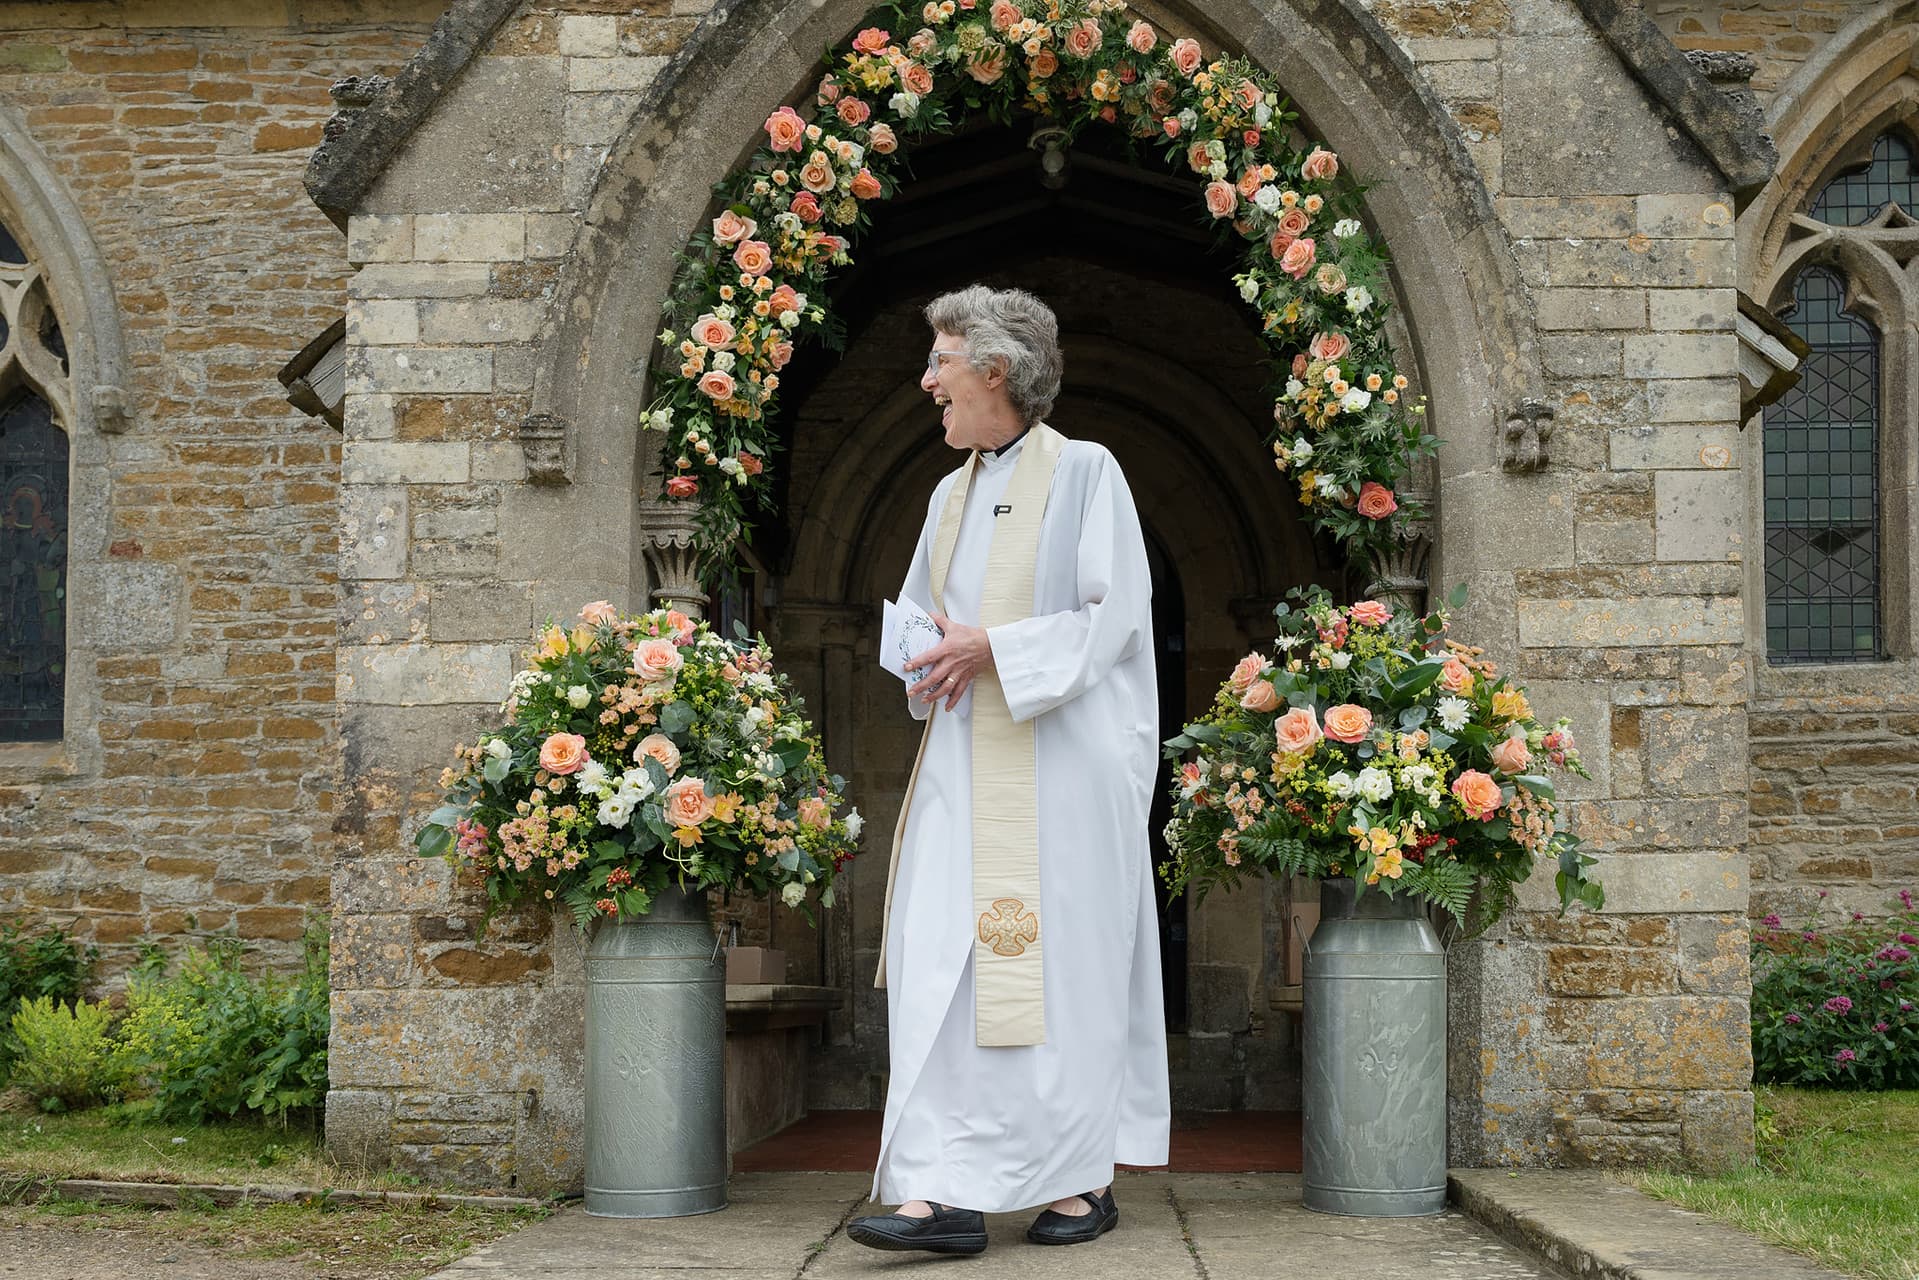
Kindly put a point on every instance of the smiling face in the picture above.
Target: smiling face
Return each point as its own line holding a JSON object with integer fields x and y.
{"x": 975, "y": 410}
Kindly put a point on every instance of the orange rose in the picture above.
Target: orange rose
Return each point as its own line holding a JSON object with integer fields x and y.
{"x": 1141, "y": 37}
{"x": 852, "y": 111}
{"x": 785, "y": 130}
{"x": 865, "y": 186}
{"x": 1247, "y": 95}
{"x": 1260, "y": 696}
{"x": 1319, "y": 165}
{"x": 563, "y": 753}
{"x": 681, "y": 625}
{"x": 686, "y": 803}
{"x": 780, "y": 354}
{"x": 657, "y": 746}
{"x": 682, "y": 487}
{"x": 815, "y": 813}
{"x": 872, "y": 40}
{"x": 1456, "y": 677}
{"x": 713, "y": 331}
{"x": 1248, "y": 184}
{"x": 1511, "y": 756}
{"x": 1297, "y": 730}
{"x": 1477, "y": 794}
{"x": 1250, "y": 668}
{"x": 1370, "y": 613}
{"x": 882, "y": 140}
{"x": 1348, "y": 723}
{"x": 1221, "y": 200}
{"x": 754, "y": 257}
{"x": 1298, "y": 258}
{"x": 917, "y": 78}
{"x": 1187, "y": 56}
{"x": 717, "y": 385}
{"x": 1376, "y": 501}
{"x": 655, "y": 661}
{"x": 1083, "y": 40}
{"x": 1329, "y": 346}
{"x": 785, "y": 298}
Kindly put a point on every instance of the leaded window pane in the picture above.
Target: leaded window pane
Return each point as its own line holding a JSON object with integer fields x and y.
{"x": 33, "y": 570}
{"x": 10, "y": 250}
{"x": 1855, "y": 198}
{"x": 1822, "y": 487}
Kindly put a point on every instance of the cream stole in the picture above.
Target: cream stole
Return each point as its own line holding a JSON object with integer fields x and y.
{"x": 1009, "y": 1005}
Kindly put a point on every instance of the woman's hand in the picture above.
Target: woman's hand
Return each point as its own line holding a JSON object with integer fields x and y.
{"x": 961, "y": 655}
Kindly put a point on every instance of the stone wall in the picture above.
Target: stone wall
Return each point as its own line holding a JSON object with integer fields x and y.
{"x": 204, "y": 620}
{"x": 1780, "y": 35}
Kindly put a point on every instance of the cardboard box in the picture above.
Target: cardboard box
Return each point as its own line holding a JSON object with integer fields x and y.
{"x": 755, "y": 966}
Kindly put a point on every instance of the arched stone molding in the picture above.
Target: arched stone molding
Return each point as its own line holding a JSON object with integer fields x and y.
{"x": 93, "y": 404}
{"x": 1473, "y": 346}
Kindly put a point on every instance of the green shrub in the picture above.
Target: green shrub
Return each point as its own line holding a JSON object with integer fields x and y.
{"x": 49, "y": 963}
{"x": 65, "y": 1055}
{"x": 213, "y": 1041}
{"x": 1838, "y": 1007}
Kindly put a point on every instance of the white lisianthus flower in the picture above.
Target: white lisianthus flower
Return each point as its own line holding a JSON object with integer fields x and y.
{"x": 1302, "y": 447}
{"x": 1293, "y": 389}
{"x": 789, "y": 319}
{"x": 793, "y": 894}
{"x": 1262, "y": 114}
{"x": 759, "y": 682}
{"x": 1342, "y": 784}
{"x": 1358, "y": 298}
{"x": 1374, "y": 784}
{"x": 724, "y": 361}
{"x": 790, "y": 223}
{"x": 725, "y": 311}
{"x": 593, "y": 777}
{"x": 854, "y": 824}
{"x": 1326, "y": 486}
{"x": 1341, "y": 659}
{"x": 1219, "y": 171}
{"x": 1217, "y": 150}
{"x": 1355, "y": 399}
{"x": 1267, "y": 198}
{"x": 637, "y": 783}
{"x": 497, "y": 748}
{"x": 904, "y": 105}
{"x": 1346, "y": 228}
{"x": 1453, "y": 713}
{"x": 577, "y": 696}
{"x": 731, "y": 466}
{"x": 1248, "y": 289}
{"x": 1188, "y": 118}
{"x": 616, "y": 810}
{"x": 659, "y": 420}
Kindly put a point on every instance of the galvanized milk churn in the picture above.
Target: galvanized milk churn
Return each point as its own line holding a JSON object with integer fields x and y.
{"x": 1374, "y": 1057}
{"x": 655, "y": 1051}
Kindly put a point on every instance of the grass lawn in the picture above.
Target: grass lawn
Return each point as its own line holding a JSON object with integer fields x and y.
{"x": 1836, "y": 1180}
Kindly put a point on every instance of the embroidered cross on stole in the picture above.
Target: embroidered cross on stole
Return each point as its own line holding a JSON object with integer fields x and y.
{"x": 1009, "y": 1006}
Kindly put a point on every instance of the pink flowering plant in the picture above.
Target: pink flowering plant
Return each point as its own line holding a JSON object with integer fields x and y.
{"x": 1369, "y": 745}
{"x": 751, "y": 285}
{"x": 1836, "y": 1006}
{"x": 638, "y": 753}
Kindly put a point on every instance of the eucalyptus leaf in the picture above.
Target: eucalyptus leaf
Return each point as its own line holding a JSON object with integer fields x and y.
{"x": 433, "y": 841}
{"x": 677, "y": 717}
{"x": 1536, "y": 784}
{"x": 495, "y": 771}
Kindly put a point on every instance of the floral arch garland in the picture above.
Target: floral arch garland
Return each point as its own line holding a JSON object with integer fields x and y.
{"x": 748, "y": 288}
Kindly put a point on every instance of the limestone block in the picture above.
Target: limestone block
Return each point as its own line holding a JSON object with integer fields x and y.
{"x": 582, "y": 167}
{"x": 1702, "y": 514}
{"x": 1580, "y": 355}
{"x": 383, "y": 322}
{"x": 498, "y": 613}
{"x": 1678, "y": 1042}
{"x": 611, "y": 75}
{"x": 1681, "y": 355}
{"x": 419, "y": 675}
{"x": 1423, "y": 49}
{"x": 376, "y": 611}
{"x": 1611, "y": 971}
{"x": 1695, "y": 751}
{"x": 1715, "y": 954}
{"x": 465, "y": 521}
{"x": 1673, "y": 447}
{"x": 372, "y": 237}
{"x": 371, "y": 952}
{"x": 1567, "y": 217}
{"x": 412, "y": 280}
{"x": 359, "y": 1127}
{"x": 1632, "y": 622}
{"x": 126, "y": 605}
{"x": 373, "y": 531}
{"x": 381, "y": 462}
{"x": 487, "y": 145}
{"x": 1625, "y": 825}
{"x": 1685, "y": 216}
{"x": 1693, "y": 308}
{"x": 597, "y": 119}
{"x": 513, "y": 366}
{"x": 1693, "y": 400}
{"x": 480, "y": 320}
{"x": 469, "y": 237}
{"x": 408, "y": 885}
{"x": 589, "y": 35}
{"x": 1641, "y": 261}
{"x": 1613, "y": 541}
{"x": 1716, "y": 1133}
{"x": 1511, "y": 520}
{"x": 1591, "y": 308}
{"x": 433, "y": 370}
{"x": 550, "y": 235}
{"x": 499, "y": 460}
{"x": 1463, "y": 81}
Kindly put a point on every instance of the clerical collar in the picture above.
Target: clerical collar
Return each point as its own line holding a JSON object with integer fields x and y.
{"x": 1001, "y": 451}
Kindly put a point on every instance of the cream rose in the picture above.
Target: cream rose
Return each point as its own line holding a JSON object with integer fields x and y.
{"x": 1477, "y": 794}
{"x": 686, "y": 803}
{"x": 883, "y": 140}
{"x": 731, "y": 228}
{"x": 1297, "y": 730}
{"x": 816, "y": 175}
{"x": 657, "y": 746}
{"x": 1510, "y": 756}
{"x": 1348, "y": 723}
{"x": 1260, "y": 696}
{"x": 563, "y": 753}
{"x": 655, "y": 661}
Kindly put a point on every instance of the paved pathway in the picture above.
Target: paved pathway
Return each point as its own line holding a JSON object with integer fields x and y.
{"x": 785, "y": 1226}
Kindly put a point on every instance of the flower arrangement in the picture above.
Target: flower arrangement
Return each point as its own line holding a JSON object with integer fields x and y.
{"x": 1835, "y": 1006}
{"x": 642, "y": 752}
{"x": 750, "y": 286}
{"x": 1371, "y": 746}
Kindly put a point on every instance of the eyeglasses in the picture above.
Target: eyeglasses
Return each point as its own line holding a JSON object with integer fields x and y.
{"x": 933, "y": 359}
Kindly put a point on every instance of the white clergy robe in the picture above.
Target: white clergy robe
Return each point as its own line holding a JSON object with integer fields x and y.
{"x": 1000, "y": 1129}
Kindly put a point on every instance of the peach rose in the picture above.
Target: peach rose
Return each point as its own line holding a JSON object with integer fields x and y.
{"x": 1329, "y": 346}
{"x": 1221, "y": 199}
{"x": 1370, "y": 613}
{"x": 780, "y": 354}
{"x": 1319, "y": 165}
{"x": 1260, "y": 696}
{"x": 989, "y": 66}
{"x": 864, "y": 185}
{"x": 815, "y": 813}
{"x": 681, "y": 626}
{"x": 817, "y": 175}
{"x": 918, "y": 78}
{"x": 717, "y": 384}
{"x": 1250, "y": 668}
{"x": 1247, "y": 95}
{"x": 597, "y": 613}
{"x": 731, "y": 228}
{"x": 785, "y": 298}
{"x": 713, "y": 331}
{"x": 1456, "y": 677}
{"x": 881, "y": 140}
{"x": 1248, "y": 184}
{"x": 657, "y": 746}
{"x": 655, "y": 661}
{"x": 1044, "y": 64}
{"x": 1198, "y": 159}
{"x": 785, "y": 130}
{"x": 1348, "y": 723}
{"x": 754, "y": 257}
{"x": 563, "y": 753}
{"x": 1141, "y": 38}
{"x": 1477, "y": 794}
{"x": 1298, "y": 258}
{"x": 872, "y": 40}
{"x": 1376, "y": 501}
{"x": 806, "y": 206}
{"x": 1330, "y": 279}
{"x": 686, "y": 803}
{"x": 923, "y": 41}
{"x": 1297, "y": 730}
{"x": 750, "y": 463}
{"x": 682, "y": 487}
{"x": 853, "y": 111}
{"x": 1511, "y": 756}
{"x": 1004, "y": 14}
{"x": 830, "y": 89}
{"x": 1084, "y": 39}
{"x": 1171, "y": 126}
{"x": 1187, "y": 56}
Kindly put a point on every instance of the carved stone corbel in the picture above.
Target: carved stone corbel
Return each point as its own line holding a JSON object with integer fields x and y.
{"x": 110, "y": 411}
{"x": 543, "y": 439}
{"x": 667, "y": 534}
{"x": 1399, "y": 570}
{"x": 1526, "y": 441}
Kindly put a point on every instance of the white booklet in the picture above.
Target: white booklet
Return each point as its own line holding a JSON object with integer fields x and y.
{"x": 906, "y": 631}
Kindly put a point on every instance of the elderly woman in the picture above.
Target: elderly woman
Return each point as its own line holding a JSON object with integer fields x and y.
{"x": 1021, "y": 955}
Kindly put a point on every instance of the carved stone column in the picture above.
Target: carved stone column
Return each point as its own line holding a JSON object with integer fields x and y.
{"x": 1399, "y": 570}
{"x": 667, "y": 533}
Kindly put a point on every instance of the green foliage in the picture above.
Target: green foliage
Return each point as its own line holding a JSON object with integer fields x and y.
{"x": 49, "y": 963}
{"x": 64, "y": 1057}
{"x": 1838, "y": 1007}
{"x": 214, "y": 1041}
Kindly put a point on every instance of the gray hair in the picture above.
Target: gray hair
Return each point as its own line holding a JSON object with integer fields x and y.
{"x": 1010, "y": 325}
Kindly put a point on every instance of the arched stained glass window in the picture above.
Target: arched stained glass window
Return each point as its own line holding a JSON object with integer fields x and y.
{"x": 1855, "y": 198}
{"x": 33, "y": 569}
{"x": 1822, "y": 486}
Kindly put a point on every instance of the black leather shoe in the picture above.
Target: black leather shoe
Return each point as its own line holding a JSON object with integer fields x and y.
{"x": 1058, "y": 1228}
{"x": 947, "y": 1231}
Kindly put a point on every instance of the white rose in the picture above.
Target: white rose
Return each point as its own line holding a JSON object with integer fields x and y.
{"x": 789, "y": 319}
{"x": 1355, "y": 399}
{"x": 1219, "y": 171}
{"x": 1302, "y": 447}
{"x": 854, "y": 824}
{"x": 1453, "y": 713}
{"x": 731, "y": 466}
{"x": 1262, "y": 114}
{"x": 1267, "y": 197}
{"x": 1293, "y": 388}
{"x": 659, "y": 420}
{"x": 1248, "y": 289}
{"x": 1358, "y": 298}
{"x": 793, "y": 894}
{"x": 615, "y": 810}
{"x": 1346, "y": 228}
{"x": 724, "y": 361}
{"x": 1188, "y": 118}
{"x": 1341, "y": 660}
{"x": 905, "y": 105}
{"x": 1342, "y": 784}
{"x": 1374, "y": 784}
{"x": 577, "y": 696}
